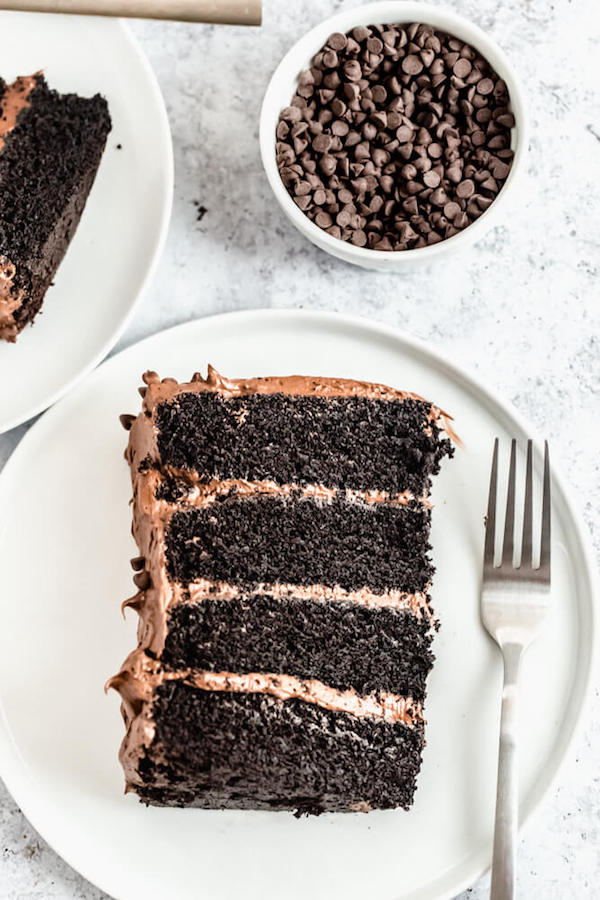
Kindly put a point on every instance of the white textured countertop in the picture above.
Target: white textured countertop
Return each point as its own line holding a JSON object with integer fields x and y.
{"x": 521, "y": 309}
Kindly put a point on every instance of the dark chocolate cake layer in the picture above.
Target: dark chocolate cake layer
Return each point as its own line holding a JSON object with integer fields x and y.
{"x": 252, "y": 751}
{"x": 270, "y": 539}
{"x": 283, "y": 592}
{"x": 341, "y": 644}
{"x": 350, "y": 442}
{"x": 50, "y": 149}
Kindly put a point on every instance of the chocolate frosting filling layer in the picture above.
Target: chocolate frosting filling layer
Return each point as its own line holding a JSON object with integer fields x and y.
{"x": 193, "y": 490}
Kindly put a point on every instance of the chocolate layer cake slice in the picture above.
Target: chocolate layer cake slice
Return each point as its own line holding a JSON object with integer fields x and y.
{"x": 284, "y": 573}
{"x": 50, "y": 148}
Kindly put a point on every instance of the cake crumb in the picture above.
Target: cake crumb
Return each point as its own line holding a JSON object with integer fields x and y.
{"x": 201, "y": 210}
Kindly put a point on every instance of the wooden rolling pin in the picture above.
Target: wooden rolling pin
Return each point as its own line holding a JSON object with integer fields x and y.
{"x": 223, "y": 12}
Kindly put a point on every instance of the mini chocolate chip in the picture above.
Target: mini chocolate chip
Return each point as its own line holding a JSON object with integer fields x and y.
{"x": 291, "y": 114}
{"x": 374, "y": 45}
{"x": 485, "y": 86}
{"x": 483, "y": 202}
{"x": 323, "y": 219}
{"x": 500, "y": 170}
{"x": 451, "y": 209}
{"x": 507, "y": 120}
{"x": 411, "y": 64}
{"x": 380, "y": 120}
{"x": 340, "y": 128}
{"x": 432, "y": 179}
{"x": 142, "y": 580}
{"x": 461, "y": 68}
{"x": 454, "y": 173}
{"x": 369, "y": 131}
{"x": 465, "y": 189}
{"x": 439, "y": 197}
{"x": 352, "y": 70}
{"x": 490, "y": 184}
{"x": 404, "y": 133}
{"x": 321, "y": 143}
{"x": 302, "y": 188}
{"x": 337, "y": 41}
{"x": 327, "y": 164}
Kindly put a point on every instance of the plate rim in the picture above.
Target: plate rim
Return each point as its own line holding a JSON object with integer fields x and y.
{"x": 465, "y": 377}
{"x": 165, "y": 138}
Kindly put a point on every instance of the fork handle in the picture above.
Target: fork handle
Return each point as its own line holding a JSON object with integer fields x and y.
{"x": 504, "y": 862}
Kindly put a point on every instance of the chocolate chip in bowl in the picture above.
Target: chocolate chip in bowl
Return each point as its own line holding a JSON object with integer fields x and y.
{"x": 397, "y": 138}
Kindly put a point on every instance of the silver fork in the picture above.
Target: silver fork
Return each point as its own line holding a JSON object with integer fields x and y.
{"x": 514, "y": 600}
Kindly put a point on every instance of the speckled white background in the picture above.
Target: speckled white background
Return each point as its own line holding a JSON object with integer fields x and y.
{"x": 521, "y": 309}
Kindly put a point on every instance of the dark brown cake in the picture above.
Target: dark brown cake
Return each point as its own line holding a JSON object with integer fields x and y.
{"x": 285, "y": 623}
{"x": 50, "y": 148}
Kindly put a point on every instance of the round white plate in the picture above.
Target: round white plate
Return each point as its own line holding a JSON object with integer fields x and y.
{"x": 64, "y": 550}
{"x": 124, "y": 224}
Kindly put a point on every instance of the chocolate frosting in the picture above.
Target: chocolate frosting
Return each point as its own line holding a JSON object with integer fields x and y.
{"x": 16, "y": 97}
{"x": 142, "y": 671}
{"x": 10, "y": 299}
{"x": 202, "y": 493}
{"x": 159, "y": 391}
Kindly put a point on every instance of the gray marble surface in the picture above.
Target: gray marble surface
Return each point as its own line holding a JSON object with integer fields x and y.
{"x": 521, "y": 309}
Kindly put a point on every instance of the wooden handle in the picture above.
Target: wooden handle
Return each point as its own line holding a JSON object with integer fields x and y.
{"x": 224, "y": 12}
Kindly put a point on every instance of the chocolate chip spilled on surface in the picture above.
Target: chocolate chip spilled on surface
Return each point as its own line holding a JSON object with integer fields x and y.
{"x": 398, "y": 137}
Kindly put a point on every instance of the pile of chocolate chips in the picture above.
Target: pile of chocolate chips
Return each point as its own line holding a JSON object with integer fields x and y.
{"x": 397, "y": 137}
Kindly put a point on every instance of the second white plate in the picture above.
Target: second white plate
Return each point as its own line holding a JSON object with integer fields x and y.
{"x": 64, "y": 549}
{"x": 124, "y": 224}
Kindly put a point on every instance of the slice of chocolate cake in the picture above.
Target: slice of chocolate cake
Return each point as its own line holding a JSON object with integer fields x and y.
{"x": 50, "y": 148}
{"x": 284, "y": 574}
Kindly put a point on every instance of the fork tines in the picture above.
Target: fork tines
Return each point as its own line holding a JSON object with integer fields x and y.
{"x": 526, "y": 551}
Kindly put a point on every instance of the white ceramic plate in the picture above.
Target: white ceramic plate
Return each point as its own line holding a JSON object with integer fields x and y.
{"x": 64, "y": 550}
{"x": 123, "y": 227}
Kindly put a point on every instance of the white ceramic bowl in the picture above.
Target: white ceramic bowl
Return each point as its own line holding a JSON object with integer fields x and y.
{"x": 283, "y": 85}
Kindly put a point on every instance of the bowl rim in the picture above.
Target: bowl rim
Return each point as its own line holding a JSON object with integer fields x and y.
{"x": 401, "y": 11}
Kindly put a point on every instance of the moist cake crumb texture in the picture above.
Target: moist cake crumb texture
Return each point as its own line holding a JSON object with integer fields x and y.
{"x": 50, "y": 148}
{"x": 283, "y": 580}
